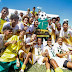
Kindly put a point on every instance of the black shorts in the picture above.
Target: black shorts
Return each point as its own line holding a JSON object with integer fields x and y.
{"x": 65, "y": 64}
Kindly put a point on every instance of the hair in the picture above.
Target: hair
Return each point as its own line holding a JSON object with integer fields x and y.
{"x": 54, "y": 18}
{"x": 59, "y": 37}
{"x": 5, "y": 8}
{"x": 36, "y": 20}
{"x": 40, "y": 37}
{"x": 14, "y": 16}
{"x": 65, "y": 23}
{"x": 58, "y": 17}
{"x": 20, "y": 31}
{"x": 33, "y": 7}
{"x": 49, "y": 39}
{"x": 7, "y": 28}
{"x": 36, "y": 14}
{"x": 25, "y": 17}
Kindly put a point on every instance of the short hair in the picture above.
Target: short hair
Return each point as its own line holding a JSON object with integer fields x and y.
{"x": 5, "y": 8}
{"x": 65, "y": 23}
{"x": 59, "y": 37}
{"x": 7, "y": 28}
{"x": 25, "y": 17}
{"x": 33, "y": 7}
{"x": 36, "y": 14}
{"x": 54, "y": 18}
{"x": 58, "y": 17}
{"x": 14, "y": 16}
{"x": 36, "y": 20}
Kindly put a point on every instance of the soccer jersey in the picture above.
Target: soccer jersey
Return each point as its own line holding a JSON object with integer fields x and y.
{"x": 2, "y": 21}
{"x": 37, "y": 56}
{"x": 32, "y": 28}
{"x": 15, "y": 29}
{"x": 38, "y": 49}
{"x": 29, "y": 15}
{"x": 66, "y": 34}
{"x": 21, "y": 26}
{"x": 57, "y": 32}
{"x": 59, "y": 49}
{"x": 11, "y": 51}
{"x": 50, "y": 51}
{"x": 50, "y": 28}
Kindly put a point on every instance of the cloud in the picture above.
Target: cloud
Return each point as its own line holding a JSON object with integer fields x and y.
{"x": 39, "y": 7}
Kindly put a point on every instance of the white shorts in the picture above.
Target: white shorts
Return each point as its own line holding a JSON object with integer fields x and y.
{"x": 35, "y": 58}
{"x": 60, "y": 61}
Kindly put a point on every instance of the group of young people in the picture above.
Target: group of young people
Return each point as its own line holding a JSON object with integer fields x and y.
{"x": 19, "y": 43}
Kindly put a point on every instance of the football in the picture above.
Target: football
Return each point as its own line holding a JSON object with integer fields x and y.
{"x": 42, "y": 15}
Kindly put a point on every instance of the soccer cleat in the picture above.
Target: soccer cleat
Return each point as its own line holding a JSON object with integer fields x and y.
{"x": 58, "y": 70}
{"x": 48, "y": 70}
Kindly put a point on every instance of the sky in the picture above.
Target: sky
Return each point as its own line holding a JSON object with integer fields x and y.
{"x": 63, "y": 8}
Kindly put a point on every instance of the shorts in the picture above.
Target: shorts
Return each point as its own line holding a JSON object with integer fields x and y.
{"x": 59, "y": 61}
{"x": 4, "y": 66}
{"x": 35, "y": 58}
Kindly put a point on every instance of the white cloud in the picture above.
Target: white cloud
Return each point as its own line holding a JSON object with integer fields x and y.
{"x": 39, "y": 7}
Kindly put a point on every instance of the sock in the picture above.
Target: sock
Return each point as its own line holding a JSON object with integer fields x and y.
{"x": 58, "y": 69}
{"x": 23, "y": 67}
{"x": 48, "y": 70}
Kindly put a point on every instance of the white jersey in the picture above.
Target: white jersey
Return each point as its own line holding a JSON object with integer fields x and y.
{"x": 20, "y": 18}
{"x": 57, "y": 32}
{"x": 27, "y": 40}
{"x": 50, "y": 27}
{"x": 21, "y": 26}
{"x": 32, "y": 28}
{"x": 59, "y": 49}
{"x": 30, "y": 15}
{"x": 38, "y": 49}
{"x": 66, "y": 34}
{"x": 15, "y": 29}
{"x": 50, "y": 51}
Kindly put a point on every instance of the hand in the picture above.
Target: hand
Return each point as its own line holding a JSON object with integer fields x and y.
{"x": 68, "y": 52}
{"x": 22, "y": 43}
{"x": 47, "y": 28}
{"x": 17, "y": 64}
{"x": 25, "y": 28}
{"x": 13, "y": 42}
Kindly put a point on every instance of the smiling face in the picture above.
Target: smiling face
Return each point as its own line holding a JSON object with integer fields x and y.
{"x": 39, "y": 41}
{"x": 25, "y": 20}
{"x": 49, "y": 42}
{"x": 65, "y": 26}
{"x": 60, "y": 41}
{"x": 22, "y": 33}
{"x": 14, "y": 22}
{"x": 58, "y": 25}
{"x": 8, "y": 33}
{"x": 4, "y": 12}
{"x": 54, "y": 20}
{"x": 31, "y": 20}
{"x": 36, "y": 23}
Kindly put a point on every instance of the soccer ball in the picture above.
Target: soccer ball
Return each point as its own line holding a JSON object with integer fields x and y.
{"x": 42, "y": 16}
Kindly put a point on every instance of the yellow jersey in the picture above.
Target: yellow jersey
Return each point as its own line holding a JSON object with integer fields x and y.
{"x": 11, "y": 51}
{"x": 2, "y": 21}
